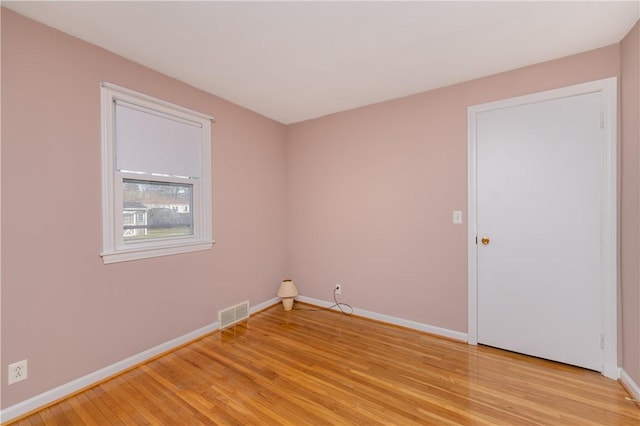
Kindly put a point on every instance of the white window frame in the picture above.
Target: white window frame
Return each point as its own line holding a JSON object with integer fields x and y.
{"x": 114, "y": 248}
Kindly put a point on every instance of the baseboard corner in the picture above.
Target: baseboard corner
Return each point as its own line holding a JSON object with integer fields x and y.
{"x": 628, "y": 383}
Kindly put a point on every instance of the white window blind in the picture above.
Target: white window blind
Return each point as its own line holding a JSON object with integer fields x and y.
{"x": 153, "y": 142}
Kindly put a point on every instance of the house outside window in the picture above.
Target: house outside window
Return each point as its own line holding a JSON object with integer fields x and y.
{"x": 134, "y": 220}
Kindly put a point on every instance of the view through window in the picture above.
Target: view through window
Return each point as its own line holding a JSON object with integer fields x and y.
{"x": 156, "y": 209}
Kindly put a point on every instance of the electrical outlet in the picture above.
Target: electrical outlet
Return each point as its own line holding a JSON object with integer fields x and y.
{"x": 338, "y": 289}
{"x": 17, "y": 371}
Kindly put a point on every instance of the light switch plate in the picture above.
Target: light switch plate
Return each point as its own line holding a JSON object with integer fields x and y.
{"x": 457, "y": 217}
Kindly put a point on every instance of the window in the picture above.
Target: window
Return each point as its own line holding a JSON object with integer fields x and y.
{"x": 156, "y": 177}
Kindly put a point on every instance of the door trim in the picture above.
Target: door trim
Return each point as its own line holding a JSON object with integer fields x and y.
{"x": 608, "y": 87}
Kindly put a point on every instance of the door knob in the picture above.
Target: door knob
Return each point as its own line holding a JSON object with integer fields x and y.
{"x": 485, "y": 240}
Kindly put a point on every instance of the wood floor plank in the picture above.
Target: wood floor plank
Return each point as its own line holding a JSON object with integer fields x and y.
{"x": 323, "y": 368}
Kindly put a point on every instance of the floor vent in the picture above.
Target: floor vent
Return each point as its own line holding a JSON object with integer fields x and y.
{"x": 235, "y": 314}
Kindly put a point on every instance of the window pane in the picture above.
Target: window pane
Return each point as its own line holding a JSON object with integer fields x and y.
{"x": 156, "y": 209}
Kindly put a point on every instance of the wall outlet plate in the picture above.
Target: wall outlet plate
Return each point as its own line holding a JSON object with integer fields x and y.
{"x": 17, "y": 371}
{"x": 338, "y": 289}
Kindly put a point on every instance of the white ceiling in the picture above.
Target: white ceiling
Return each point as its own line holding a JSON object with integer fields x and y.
{"x": 293, "y": 61}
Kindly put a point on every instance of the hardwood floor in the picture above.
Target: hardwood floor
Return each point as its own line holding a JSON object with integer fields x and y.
{"x": 321, "y": 367}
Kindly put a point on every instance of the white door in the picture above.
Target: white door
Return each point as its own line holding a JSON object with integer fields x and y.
{"x": 539, "y": 195}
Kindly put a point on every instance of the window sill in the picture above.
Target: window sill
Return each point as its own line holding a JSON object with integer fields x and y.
{"x": 145, "y": 253}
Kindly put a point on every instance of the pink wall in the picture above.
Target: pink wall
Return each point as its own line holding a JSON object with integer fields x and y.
{"x": 630, "y": 202}
{"x": 62, "y": 308}
{"x": 371, "y": 193}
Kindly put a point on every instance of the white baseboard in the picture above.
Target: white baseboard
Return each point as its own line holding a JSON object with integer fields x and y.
{"x": 73, "y": 386}
{"x": 264, "y": 305}
{"x": 631, "y": 386}
{"x": 69, "y": 388}
{"x": 451, "y": 334}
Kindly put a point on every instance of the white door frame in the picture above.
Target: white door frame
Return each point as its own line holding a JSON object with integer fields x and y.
{"x": 608, "y": 87}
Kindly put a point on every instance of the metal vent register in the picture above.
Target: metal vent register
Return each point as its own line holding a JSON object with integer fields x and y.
{"x": 233, "y": 315}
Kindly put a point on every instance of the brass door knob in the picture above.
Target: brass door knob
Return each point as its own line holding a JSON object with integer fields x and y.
{"x": 485, "y": 240}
